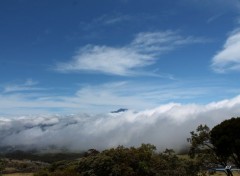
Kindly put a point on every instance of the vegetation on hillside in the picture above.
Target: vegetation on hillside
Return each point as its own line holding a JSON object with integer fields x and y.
{"x": 141, "y": 161}
{"x": 43, "y": 157}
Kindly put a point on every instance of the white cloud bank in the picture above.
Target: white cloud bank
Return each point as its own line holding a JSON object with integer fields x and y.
{"x": 141, "y": 52}
{"x": 166, "y": 126}
{"x": 228, "y": 59}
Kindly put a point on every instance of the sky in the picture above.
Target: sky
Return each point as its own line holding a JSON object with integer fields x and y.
{"x": 74, "y": 57}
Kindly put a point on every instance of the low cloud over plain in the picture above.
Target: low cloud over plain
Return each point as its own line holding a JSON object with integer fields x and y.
{"x": 166, "y": 126}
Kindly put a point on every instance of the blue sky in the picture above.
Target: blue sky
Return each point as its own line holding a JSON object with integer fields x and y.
{"x": 71, "y": 56}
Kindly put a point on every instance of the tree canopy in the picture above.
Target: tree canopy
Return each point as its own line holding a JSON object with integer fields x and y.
{"x": 120, "y": 161}
{"x": 225, "y": 138}
{"x": 2, "y": 166}
{"x": 221, "y": 145}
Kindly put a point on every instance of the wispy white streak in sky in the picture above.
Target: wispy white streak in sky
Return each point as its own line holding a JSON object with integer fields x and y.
{"x": 143, "y": 51}
{"x": 228, "y": 59}
{"x": 106, "y": 20}
{"x": 155, "y": 43}
{"x": 222, "y": 4}
{"x": 118, "y": 61}
{"x": 105, "y": 97}
{"x": 27, "y": 86}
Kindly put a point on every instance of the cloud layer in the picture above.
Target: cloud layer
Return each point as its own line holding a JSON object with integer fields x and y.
{"x": 228, "y": 59}
{"x": 142, "y": 51}
{"x": 166, "y": 126}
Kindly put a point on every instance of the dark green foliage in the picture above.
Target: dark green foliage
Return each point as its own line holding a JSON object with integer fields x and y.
{"x": 60, "y": 168}
{"x": 225, "y": 138}
{"x": 219, "y": 146}
{"x": 2, "y": 166}
{"x": 202, "y": 150}
{"x": 122, "y": 161}
{"x": 119, "y": 161}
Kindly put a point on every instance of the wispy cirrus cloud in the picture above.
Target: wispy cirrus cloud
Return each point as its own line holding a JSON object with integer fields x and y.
{"x": 214, "y": 17}
{"x": 223, "y": 5}
{"x": 106, "y": 97}
{"x": 110, "y": 20}
{"x": 106, "y": 20}
{"x": 228, "y": 59}
{"x": 104, "y": 59}
{"x": 27, "y": 86}
{"x": 144, "y": 50}
{"x": 156, "y": 43}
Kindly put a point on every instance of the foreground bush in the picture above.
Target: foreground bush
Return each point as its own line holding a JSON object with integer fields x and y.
{"x": 121, "y": 161}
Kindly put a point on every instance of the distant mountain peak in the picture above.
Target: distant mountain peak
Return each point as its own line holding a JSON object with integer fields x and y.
{"x": 120, "y": 110}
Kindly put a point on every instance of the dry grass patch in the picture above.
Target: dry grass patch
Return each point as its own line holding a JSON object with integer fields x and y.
{"x": 223, "y": 174}
{"x": 19, "y": 174}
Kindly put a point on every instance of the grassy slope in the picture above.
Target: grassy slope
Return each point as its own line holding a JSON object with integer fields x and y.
{"x": 19, "y": 174}
{"x": 223, "y": 174}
